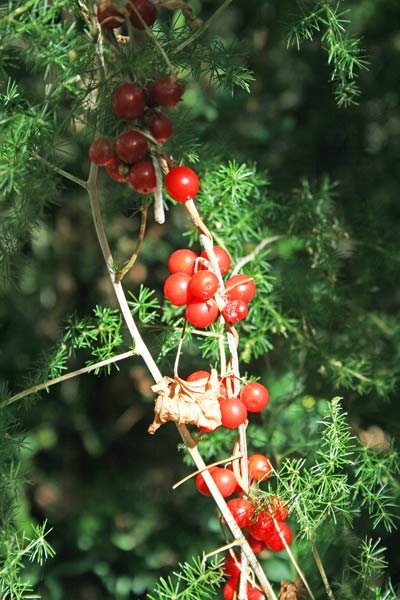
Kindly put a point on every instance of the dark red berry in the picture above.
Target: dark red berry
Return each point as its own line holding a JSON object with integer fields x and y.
{"x": 182, "y": 184}
{"x": 242, "y": 510}
{"x": 260, "y": 467}
{"x": 203, "y": 285}
{"x": 118, "y": 171}
{"x": 223, "y": 259}
{"x": 142, "y": 177}
{"x": 202, "y": 314}
{"x": 234, "y": 311}
{"x": 147, "y": 11}
{"x": 176, "y": 288}
{"x": 166, "y": 91}
{"x": 160, "y": 126}
{"x": 129, "y": 101}
{"x": 108, "y": 14}
{"x": 255, "y": 396}
{"x": 182, "y": 261}
{"x": 101, "y": 152}
{"x": 273, "y": 539}
{"x": 131, "y": 146}
{"x": 233, "y": 412}
{"x": 240, "y": 287}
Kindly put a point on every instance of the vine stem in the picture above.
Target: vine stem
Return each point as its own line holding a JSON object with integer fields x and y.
{"x": 321, "y": 569}
{"x": 50, "y": 382}
{"x": 154, "y": 39}
{"x": 249, "y": 257}
{"x": 121, "y": 274}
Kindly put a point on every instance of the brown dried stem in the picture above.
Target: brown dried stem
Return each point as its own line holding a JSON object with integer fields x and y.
{"x": 121, "y": 274}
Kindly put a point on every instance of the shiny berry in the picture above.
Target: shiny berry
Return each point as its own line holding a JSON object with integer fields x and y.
{"x": 131, "y": 146}
{"x": 176, "y": 288}
{"x": 254, "y": 593}
{"x": 242, "y": 511}
{"x": 224, "y": 480}
{"x": 240, "y": 287}
{"x": 118, "y": 171}
{"x": 182, "y": 261}
{"x": 233, "y": 412}
{"x": 166, "y": 91}
{"x": 203, "y": 285}
{"x": 260, "y": 467}
{"x": 101, "y": 152}
{"x": 229, "y": 591}
{"x": 231, "y": 564}
{"x": 142, "y": 177}
{"x": 223, "y": 259}
{"x": 261, "y": 525}
{"x": 256, "y": 545}
{"x": 198, "y": 375}
{"x": 146, "y": 10}
{"x": 255, "y": 396}
{"x": 129, "y": 101}
{"x": 160, "y": 126}
{"x": 108, "y": 15}
{"x": 182, "y": 184}
{"x": 235, "y": 310}
{"x": 202, "y": 314}
{"x": 273, "y": 539}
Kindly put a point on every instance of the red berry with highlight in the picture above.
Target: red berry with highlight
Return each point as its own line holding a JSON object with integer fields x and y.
{"x": 256, "y": 545}
{"x": 202, "y": 314}
{"x": 242, "y": 510}
{"x": 230, "y": 588}
{"x": 203, "y": 285}
{"x": 147, "y": 11}
{"x": 233, "y": 412}
{"x": 231, "y": 564}
{"x": 129, "y": 102}
{"x": 254, "y": 593}
{"x": 260, "y": 467}
{"x": 224, "y": 479}
{"x": 234, "y": 311}
{"x": 101, "y": 152}
{"x": 142, "y": 177}
{"x": 131, "y": 146}
{"x": 166, "y": 91}
{"x": 240, "y": 287}
{"x": 260, "y": 527}
{"x": 255, "y": 396}
{"x": 182, "y": 261}
{"x": 182, "y": 184}
{"x": 198, "y": 375}
{"x": 160, "y": 126}
{"x": 273, "y": 540}
{"x": 176, "y": 288}
{"x": 223, "y": 259}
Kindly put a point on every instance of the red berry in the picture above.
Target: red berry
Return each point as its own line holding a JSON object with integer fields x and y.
{"x": 261, "y": 525}
{"x": 231, "y": 565}
{"x": 254, "y": 593}
{"x": 223, "y": 259}
{"x": 129, "y": 101}
{"x": 202, "y": 314}
{"x": 142, "y": 177}
{"x": 147, "y": 11}
{"x": 182, "y": 261}
{"x": 230, "y": 588}
{"x": 160, "y": 126}
{"x": 240, "y": 287}
{"x": 256, "y": 545}
{"x": 198, "y": 375}
{"x": 182, "y": 184}
{"x": 203, "y": 285}
{"x": 233, "y": 412}
{"x": 225, "y": 481}
{"x": 101, "y": 152}
{"x": 273, "y": 539}
{"x": 108, "y": 15}
{"x": 234, "y": 311}
{"x": 260, "y": 467}
{"x": 166, "y": 91}
{"x": 176, "y": 288}
{"x": 131, "y": 146}
{"x": 255, "y": 396}
{"x": 118, "y": 170}
{"x": 242, "y": 510}
{"x": 278, "y": 508}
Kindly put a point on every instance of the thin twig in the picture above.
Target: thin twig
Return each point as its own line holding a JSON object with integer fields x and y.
{"x": 321, "y": 569}
{"x": 249, "y": 257}
{"x": 121, "y": 274}
{"x": 203, "y": 28}
{"x": 50, "y": 382}
{"x": 210, "y": 466}
{"x": 60, "y": 171}
{"x": 155, "y": 41}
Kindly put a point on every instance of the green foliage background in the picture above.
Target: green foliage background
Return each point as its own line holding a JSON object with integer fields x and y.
{"x": 284, "y": 160}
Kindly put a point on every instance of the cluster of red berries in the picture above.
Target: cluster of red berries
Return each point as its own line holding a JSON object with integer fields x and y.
{"x": 110, "y": 16}
{"x": 126, "y": 159}
{"x": 193, "y": 284}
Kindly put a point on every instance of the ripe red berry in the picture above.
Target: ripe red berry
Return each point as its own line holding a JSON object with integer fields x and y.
{"x": 108, "y": 15}
{"x": 203, "y": 285}
{"x": 256, "y": 545}
{"x": 147, "y": 11}
{"x": 255, "y": 396}
{"x": 142, "y": 177}
{"x": 118, "y": 170}
{"x": 223, "y": 259}
{"x": 225, "y": 481}
{"x": 182, "y": 184}
{"x": 166, "y": 91}
{"x": 261, "y": 525}
{"x": 277, "y": 507}
{"x": 260, "y": 467}
{"x": 129, "y": 101}
{"x": 198, "y": 375}
{"x": 254, "y": 593}
{"x": 182, "y": 261}
{"x": 229, "y": 590}
{"x": 242, "y": 510}
{"x": 131, "y": 146}
{"x": 235, "y": 310}
{"x": 273, "y": 539}
{"x": 202, "y": 314}
{"x": 101, "y": 152}
{"x": 160, "y": 126}
{"x": 176, "y": 288}
{"x": 231, "y": 564}
{"x": 240, "y": 287}
{"x": 233, "y": 412}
